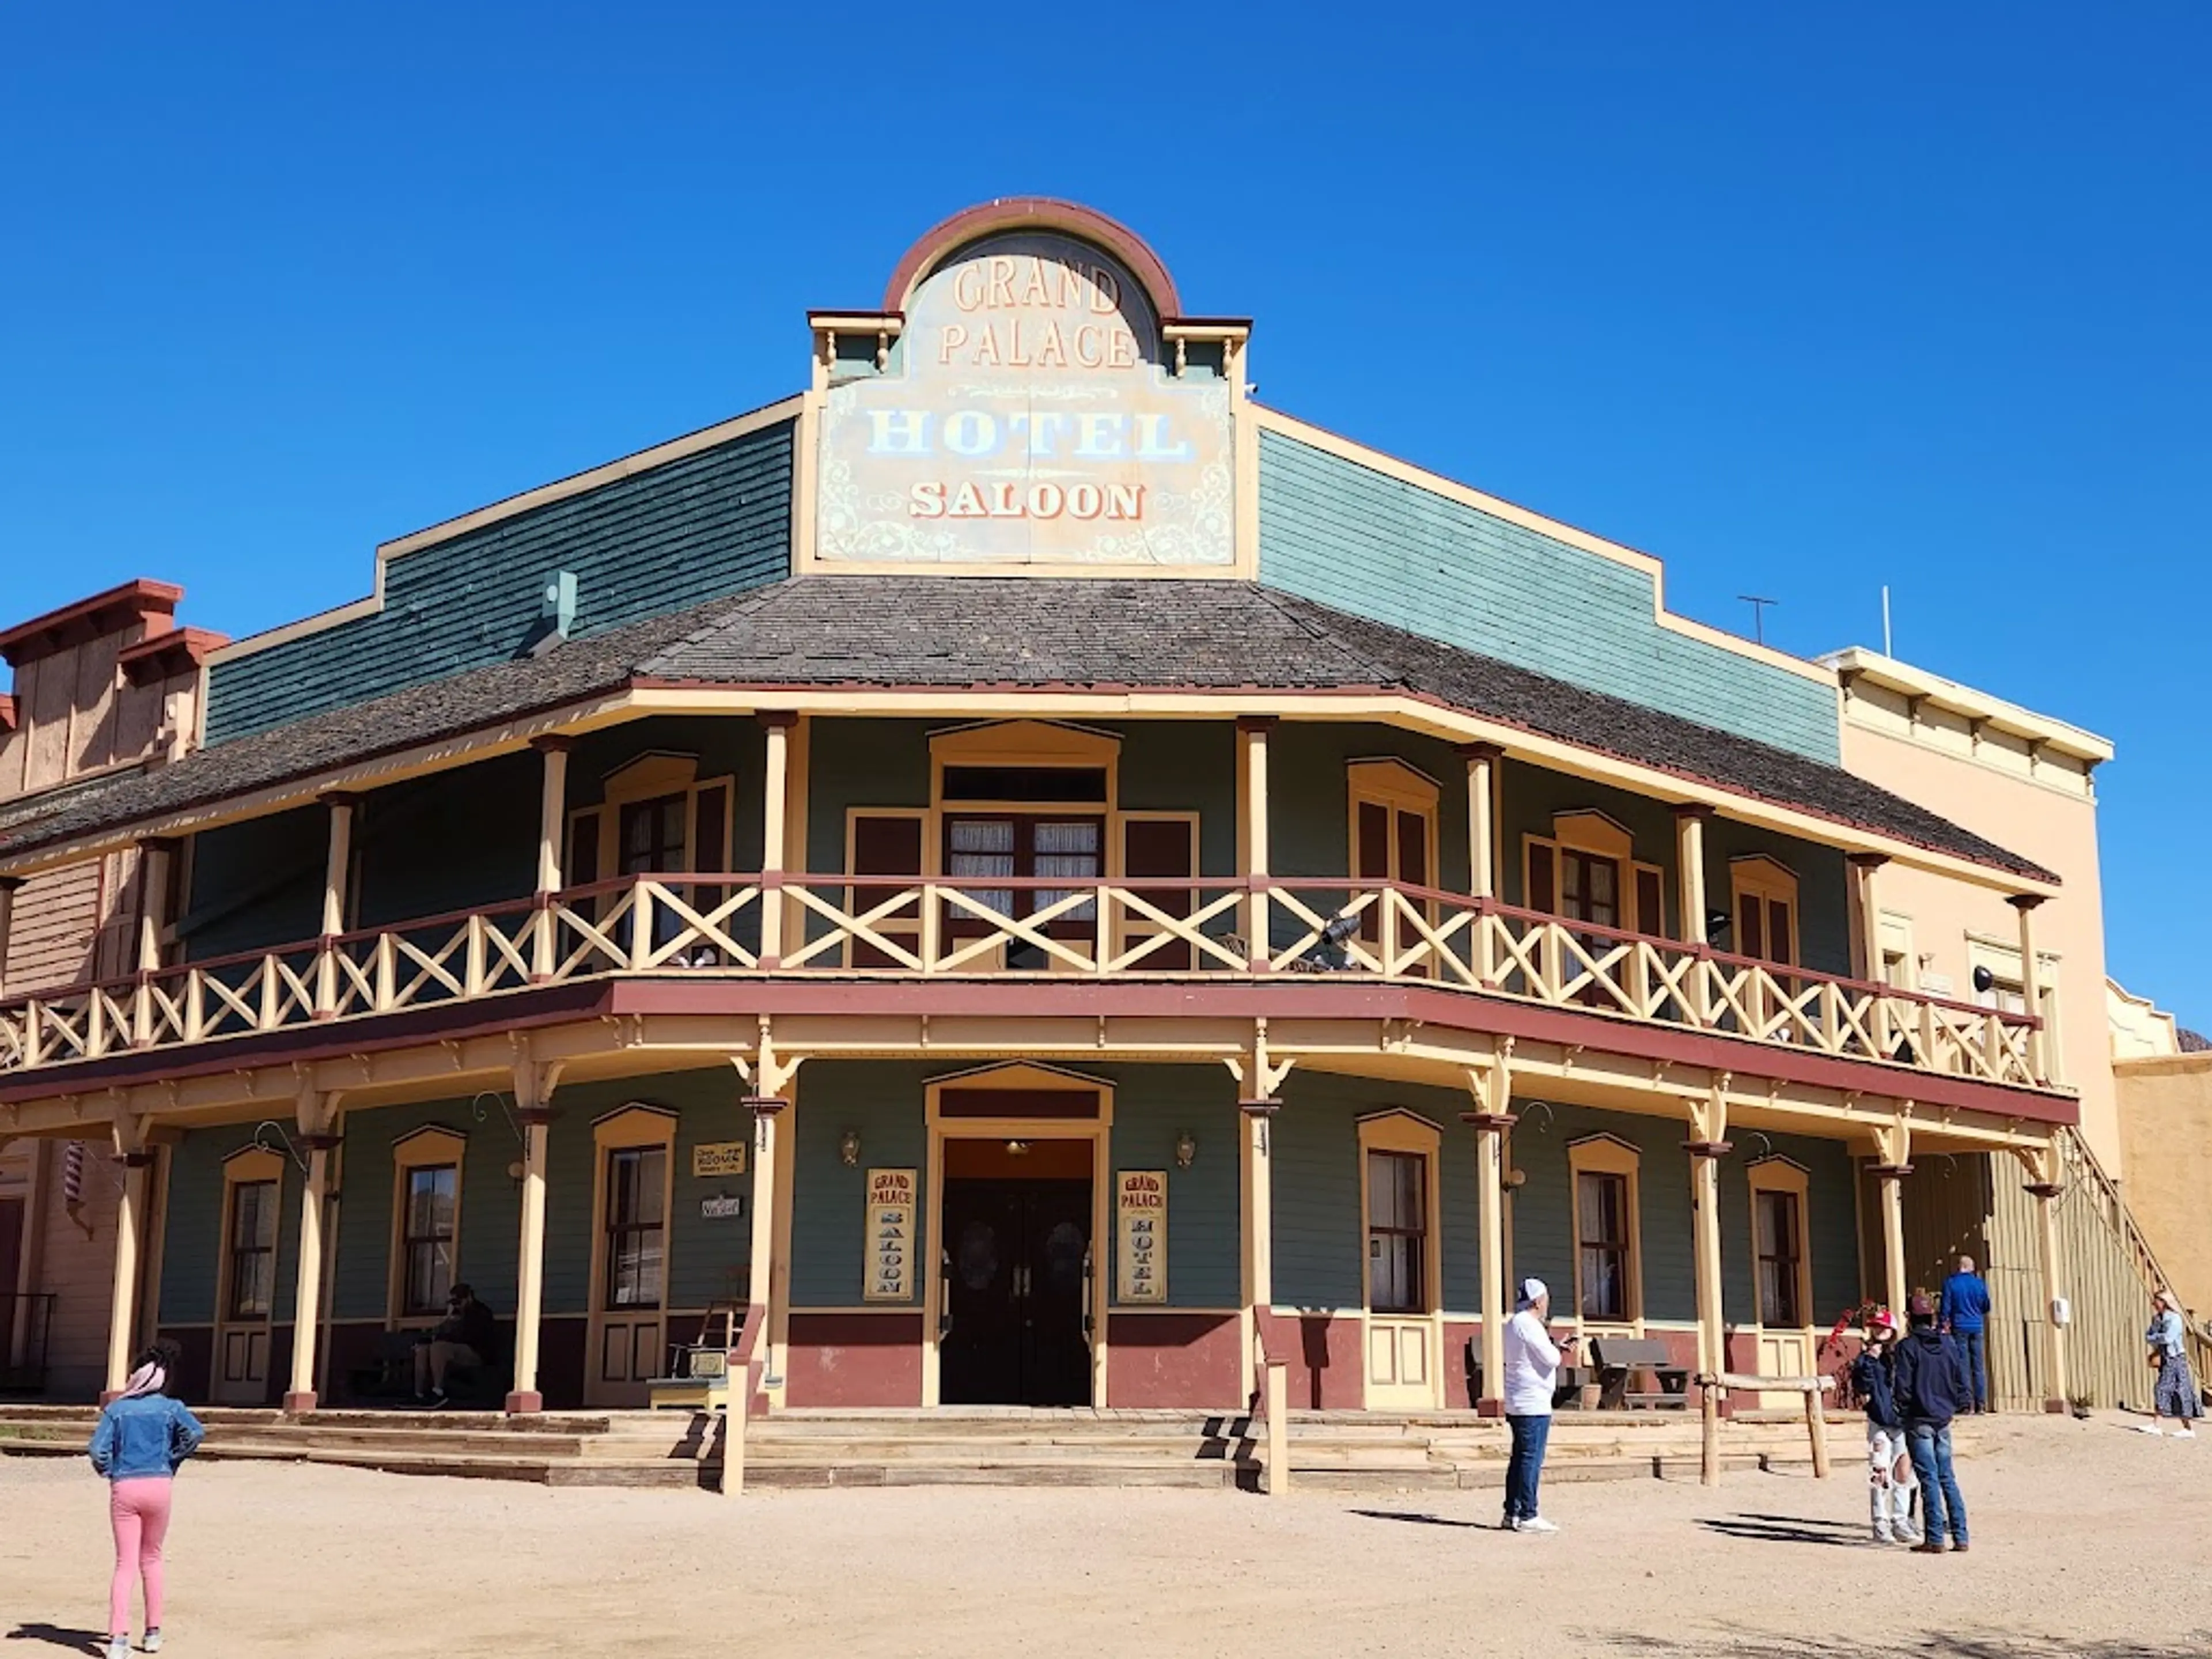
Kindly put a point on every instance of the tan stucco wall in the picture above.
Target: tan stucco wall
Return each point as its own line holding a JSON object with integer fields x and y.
{"x": 2165, "y": 1122}
{"x": 2055, "y": 823}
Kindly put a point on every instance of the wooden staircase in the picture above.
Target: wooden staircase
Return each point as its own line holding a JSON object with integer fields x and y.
{"x": 1330, "y": 1451}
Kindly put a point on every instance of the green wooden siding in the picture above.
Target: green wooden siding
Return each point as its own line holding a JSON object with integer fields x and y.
{"x": 491, "y": 1211}
{"x": 691, "y": 530}
{"x": 1347, "y": 536}
{"x": 449, "y": 841}
{"x": 882, "y": 1102}
{"x": 1151, "y": 1106}
{"x": 257, "y": 884}
{"x": 192, "y": 1239}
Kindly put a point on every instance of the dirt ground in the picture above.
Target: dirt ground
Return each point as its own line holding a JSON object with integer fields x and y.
{"x": 2088, "y": 1539}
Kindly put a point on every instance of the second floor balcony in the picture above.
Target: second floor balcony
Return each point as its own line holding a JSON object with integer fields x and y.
{"x": 1300, "y": 938}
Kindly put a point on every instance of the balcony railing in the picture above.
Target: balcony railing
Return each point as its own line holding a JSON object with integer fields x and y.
{"x": 908, "y": 929}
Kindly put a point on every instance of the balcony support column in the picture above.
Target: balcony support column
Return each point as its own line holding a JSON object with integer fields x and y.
{"x": 9, "y": 886}
{"x": 1252, "y": 833}
{"x": 1482, "y": 773}
{"x": 552, "y": 826}
{"x": 533, "y": 1092}
{"x": 337, "y": 867}
{"x": 765, "y": 1287}
{"x": 2031, "y": 985}
{"x": 155, "y": 860}
{"x": 1256, "y": 1188}
{"x": 137, "y": 1159}
{"x": 317, "y": 1120}
{"x": 1492, "y": 1120}
{"x": 1892, "y": 1151}
{"x": 1690, "y": 869}
{"x": 1866, "y": 934}
{"x": 775, "y": 816}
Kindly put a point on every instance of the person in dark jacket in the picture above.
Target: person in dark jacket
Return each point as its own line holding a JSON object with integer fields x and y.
{"x": 1889, "y": 1463}
{"x": 1930, "y": 1387}
{"x": 464, "y": 1336}
{"x": 1964, "y": 1311}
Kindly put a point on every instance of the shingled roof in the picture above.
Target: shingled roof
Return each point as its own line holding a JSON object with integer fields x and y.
{"x": 957, "y": 633}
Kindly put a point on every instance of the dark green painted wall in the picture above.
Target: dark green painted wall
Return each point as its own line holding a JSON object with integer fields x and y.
{"x": 192, "y": 1239}
{"x": 257, "y": 884}
{"x": 713, "y": 523}
{"x": 491, "y": 1202}
{"x": 882, "y": 1102}
{"x": 449, "y": 841}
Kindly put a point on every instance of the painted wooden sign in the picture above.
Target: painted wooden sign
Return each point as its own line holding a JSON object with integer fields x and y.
{"x": 891, "y": 1213}
{"x": 1142, "y": 1258}
{"x": 1027, "y": 416}
{"x": 713, "y": 1158}
{"x": 725, "y": 1206}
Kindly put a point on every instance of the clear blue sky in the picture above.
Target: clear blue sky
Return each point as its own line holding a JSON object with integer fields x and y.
{"x": 1803, "y": 305}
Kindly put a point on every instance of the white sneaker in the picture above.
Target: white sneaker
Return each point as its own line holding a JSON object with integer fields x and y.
{"x": 1535, "y": 1524}
{"x": 2148, "y": 1428}
{"x": 153, "y": 1642}
{"x": 2184, "y": 1434}
{"x": 118, "y": 1647}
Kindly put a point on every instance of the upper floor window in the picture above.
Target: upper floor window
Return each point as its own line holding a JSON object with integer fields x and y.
{"x": 1765, "y": 913}
{"x": 1586, "y": 870}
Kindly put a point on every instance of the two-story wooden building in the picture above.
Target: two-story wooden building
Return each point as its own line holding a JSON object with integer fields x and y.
{"x": 1038, "y": 876}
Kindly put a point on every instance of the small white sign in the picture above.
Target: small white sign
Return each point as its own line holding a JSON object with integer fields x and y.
{"x": 888, "y": 1274}
{"x": 725, "y": 1206}
{"x": 1142, "y": 1259}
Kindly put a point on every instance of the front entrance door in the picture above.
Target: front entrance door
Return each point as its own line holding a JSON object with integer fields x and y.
{"x": 1014, "y": 1285}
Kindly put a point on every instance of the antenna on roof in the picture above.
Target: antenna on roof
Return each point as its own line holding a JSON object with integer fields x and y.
{"x": 1757, "y": 604}
{"x": 1886, "y": 651}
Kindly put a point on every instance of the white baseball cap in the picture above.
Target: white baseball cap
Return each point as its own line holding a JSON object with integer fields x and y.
{"x": 1532, "y": 1292}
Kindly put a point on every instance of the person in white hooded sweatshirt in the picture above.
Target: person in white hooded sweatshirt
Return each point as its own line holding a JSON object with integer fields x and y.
{"x": 1532, "y": 1371}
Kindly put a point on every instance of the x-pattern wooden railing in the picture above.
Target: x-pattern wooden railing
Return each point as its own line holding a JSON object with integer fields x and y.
{"x": 898, "y": 927}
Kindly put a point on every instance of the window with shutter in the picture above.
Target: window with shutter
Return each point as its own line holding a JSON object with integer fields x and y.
{"x": 887, "y": 843}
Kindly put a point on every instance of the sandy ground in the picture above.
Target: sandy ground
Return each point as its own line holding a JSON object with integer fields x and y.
{"x": 2088, "y": 1539}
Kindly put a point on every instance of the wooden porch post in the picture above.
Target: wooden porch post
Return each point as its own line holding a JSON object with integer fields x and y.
{"x": 2031, "y": 985}
{"x": 318, "y": 1116}
{"x": 552, "y": 827}
{"x": 1257, "y": 1185}
{"x": 2047, "y": 1188}
{"x": 1482, "y": 759}
{"x": 533, "y": 1090}
{"x": 768, "y": 1110}
{"x": 1706, "y": 1147}
{"x": 1896, "y": 1288}
{"x": 1690, "y": 869}
{"x": 1866, "y": 937}
{"x": 154, "y": 860}
{"x": 775, "y": 807}
{"x": 130, "y": 1223}
{"x": 1491, "y": 1121}
{"x": 1252, "y": 833}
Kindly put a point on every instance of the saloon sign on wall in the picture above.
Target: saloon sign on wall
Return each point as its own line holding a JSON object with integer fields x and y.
{"x": 1027, "y": 416}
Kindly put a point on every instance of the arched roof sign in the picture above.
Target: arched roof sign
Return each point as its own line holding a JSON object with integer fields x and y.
{"x": 1034, "y": 213}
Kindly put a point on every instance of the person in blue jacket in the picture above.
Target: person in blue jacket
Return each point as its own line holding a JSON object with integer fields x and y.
{"x": 1930, "y": 1387}
{"x": 143, "y": 1438}
{"x": 1965, "y": 1312}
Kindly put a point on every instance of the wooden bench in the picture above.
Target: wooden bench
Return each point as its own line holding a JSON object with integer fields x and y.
{"x": 1619, "y": 1358}
{"x": 1567, "y": 1387}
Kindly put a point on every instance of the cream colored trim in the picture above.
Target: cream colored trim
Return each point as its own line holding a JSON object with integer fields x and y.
{"x": 1012, "y": 1075}
{"x": 639, "y": 1124}
{"x": 1390, "y": 467}
{"x": 428, "y": 1147}
{"x": 1393, "y": 783}
{"x": 1588, "y": 831}
{"x": 1857, "y": 663}
{"x": 1605, "y": 1154}
{"x": 1406, "y": 713}
{"x": 1783, "y": 1174}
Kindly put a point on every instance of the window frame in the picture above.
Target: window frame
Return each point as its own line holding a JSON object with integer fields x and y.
{"x": 250, "y": 1166}
{"x": 1402, "y": 1132}
{"x": 1595, "y": 835}
{"x": 636, "y": 1127}
{"x": 433, "y": 1146}
{"x": 1783, "y": 1175}
{"x": 1761, "y": 875}
{"x": 1609, "y": 1155}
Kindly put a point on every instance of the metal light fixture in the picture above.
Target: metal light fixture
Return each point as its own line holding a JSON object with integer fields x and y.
{"x": 848, "y": 1148}
{"x": 1018, "y": 1149}
{"x": 1186, "y": 1148}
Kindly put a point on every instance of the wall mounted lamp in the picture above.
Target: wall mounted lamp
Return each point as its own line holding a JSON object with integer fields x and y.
{"x": 1186, "y": 1148}
{"x": 848, "y": 1148}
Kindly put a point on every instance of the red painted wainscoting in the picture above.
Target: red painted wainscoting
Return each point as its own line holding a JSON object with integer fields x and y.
{"x": 1182, "y": 1360}
{"x": 1323, "y": 1353}
{"x": 854, "y": 1359}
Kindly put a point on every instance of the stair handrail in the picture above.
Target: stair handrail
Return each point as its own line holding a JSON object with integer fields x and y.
{"x": 2149, "y": 1269}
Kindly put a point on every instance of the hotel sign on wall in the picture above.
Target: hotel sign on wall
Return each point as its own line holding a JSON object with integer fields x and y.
{"x": 1142, "y": 1257}
{"x": 1027, "y": 416}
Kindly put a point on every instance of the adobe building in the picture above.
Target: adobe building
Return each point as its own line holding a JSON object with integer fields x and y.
{"x": 1042, "y": 881}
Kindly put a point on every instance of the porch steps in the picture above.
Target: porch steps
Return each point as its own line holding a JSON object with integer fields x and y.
{"x": 1330, "y": 1451}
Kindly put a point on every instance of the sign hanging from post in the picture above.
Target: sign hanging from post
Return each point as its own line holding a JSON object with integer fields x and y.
{"x": 889, "y": 1276}
{"x": 1143, "y": 1255}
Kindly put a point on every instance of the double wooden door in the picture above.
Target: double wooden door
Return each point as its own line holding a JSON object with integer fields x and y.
{"x": 1015, "y": 1288}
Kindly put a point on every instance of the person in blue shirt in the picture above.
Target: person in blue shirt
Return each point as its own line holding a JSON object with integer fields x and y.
{"x": 143, "y": 1438}
{"x": 1965, "y": 1312}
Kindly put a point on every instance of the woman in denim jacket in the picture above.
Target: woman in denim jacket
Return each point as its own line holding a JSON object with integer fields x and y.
{"x": 143, "y": 1437}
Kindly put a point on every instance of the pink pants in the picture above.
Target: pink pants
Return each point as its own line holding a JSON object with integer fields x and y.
{"x": 140, "y": 1511}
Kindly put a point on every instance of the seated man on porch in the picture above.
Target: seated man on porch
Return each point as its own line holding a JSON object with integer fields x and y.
{"x": 463, "y": 1336}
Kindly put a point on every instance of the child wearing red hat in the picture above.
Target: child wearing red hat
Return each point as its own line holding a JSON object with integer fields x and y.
{"x": 1890, "y": 1483}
